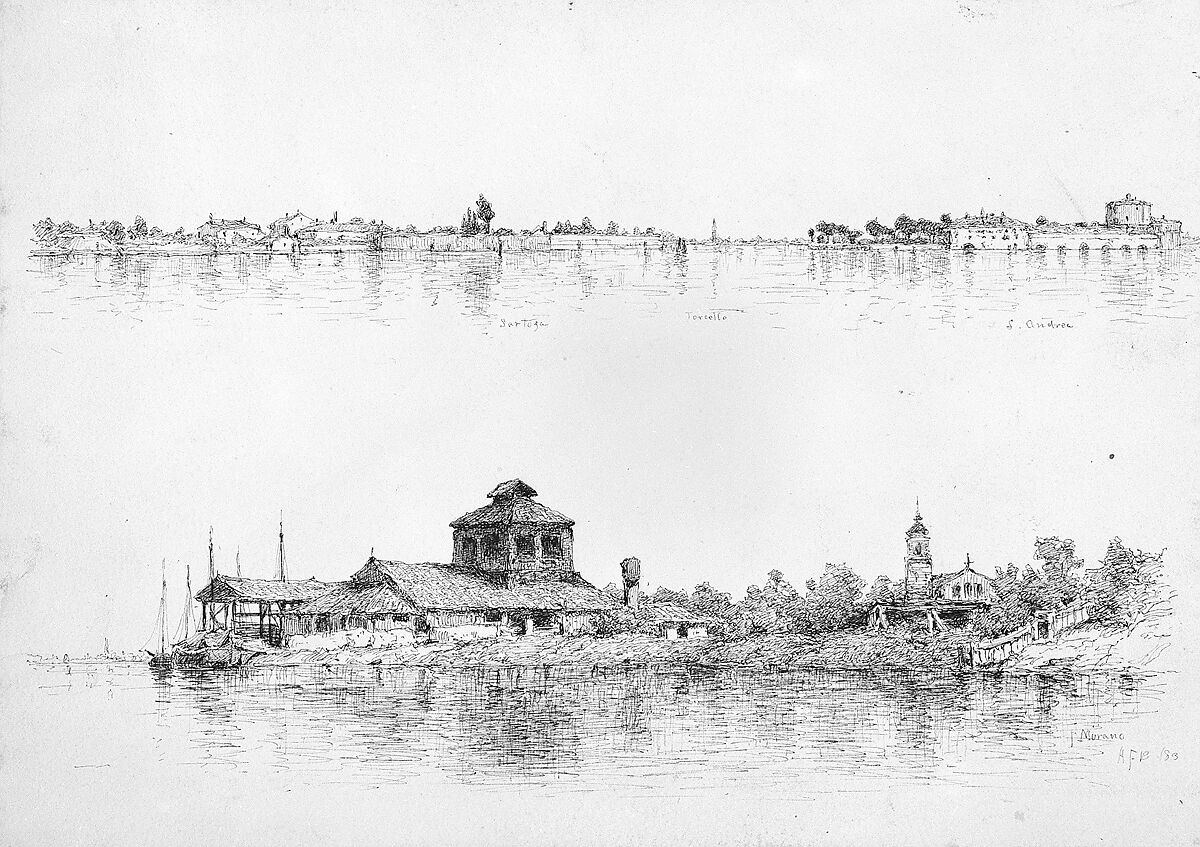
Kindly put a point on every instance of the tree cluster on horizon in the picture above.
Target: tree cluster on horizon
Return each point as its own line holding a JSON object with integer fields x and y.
{"x": 478, "y": 220}
{"x": 1126, "y": 586}
{"x": 47, "y": 232}
{"x": 903, "y": 230}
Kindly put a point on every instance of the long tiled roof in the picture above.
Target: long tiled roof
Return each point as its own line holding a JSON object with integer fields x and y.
{"x": 349, "y": 598}
{"x": 222, "y": 223}
{"x": 347, "y": 226}
{"x": 436, "y": 586}
{"x": 225, "y": 588}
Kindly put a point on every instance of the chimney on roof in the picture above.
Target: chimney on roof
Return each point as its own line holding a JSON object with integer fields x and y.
{"x": 631, "y": 576}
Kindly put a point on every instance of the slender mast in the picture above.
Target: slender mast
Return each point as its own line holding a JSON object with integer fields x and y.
{"x": 282, "y": 557}
{"x": 162, "y": 613}
{"x": 187, "y": 609}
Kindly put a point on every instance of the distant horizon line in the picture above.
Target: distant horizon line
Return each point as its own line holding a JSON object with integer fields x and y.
{"x": 560, "y": 227}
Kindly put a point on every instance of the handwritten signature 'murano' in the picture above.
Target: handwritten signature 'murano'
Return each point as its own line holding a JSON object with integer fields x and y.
{"x": 1091, "y": 735}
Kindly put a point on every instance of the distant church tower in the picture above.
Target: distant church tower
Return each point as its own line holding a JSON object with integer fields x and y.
{"x": 714, "y": 235}
{"x": 918, "y": 563}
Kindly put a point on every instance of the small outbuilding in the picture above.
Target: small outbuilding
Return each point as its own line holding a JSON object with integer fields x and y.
{"x": 673, "y": 621}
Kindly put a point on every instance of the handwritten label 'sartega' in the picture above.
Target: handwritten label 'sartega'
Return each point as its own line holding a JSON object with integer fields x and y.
{"x": 524, "y": 323}
{"x": 1041, "y": 324}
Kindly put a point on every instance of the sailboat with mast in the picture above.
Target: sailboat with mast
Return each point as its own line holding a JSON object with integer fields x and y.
{"x": 187, "y": 621}
{"x": 163, "y": 657}
{"x": 210, "y": 646}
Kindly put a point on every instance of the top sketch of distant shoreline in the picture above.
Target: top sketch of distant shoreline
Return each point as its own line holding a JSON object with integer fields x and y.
{"x": 986, "y": 269}
{"x": 1128, "y": 225}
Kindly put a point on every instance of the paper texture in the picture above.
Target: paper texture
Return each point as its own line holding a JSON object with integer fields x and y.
{"x": 599, "y": 423}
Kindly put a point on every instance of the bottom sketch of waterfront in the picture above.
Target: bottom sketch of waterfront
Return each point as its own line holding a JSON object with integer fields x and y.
{"x": 505, "y": 666}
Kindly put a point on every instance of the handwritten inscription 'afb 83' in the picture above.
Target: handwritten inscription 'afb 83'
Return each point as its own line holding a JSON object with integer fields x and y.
{"x": 1130, "y": 756}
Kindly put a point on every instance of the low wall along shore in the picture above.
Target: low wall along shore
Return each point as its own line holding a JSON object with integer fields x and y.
{"x": 1040, "y": 628}
{"x": 494, "y": 243}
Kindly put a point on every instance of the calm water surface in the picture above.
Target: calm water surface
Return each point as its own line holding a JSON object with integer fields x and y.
{"x": 778, "y": 286}
{"x": 563, "y": 729}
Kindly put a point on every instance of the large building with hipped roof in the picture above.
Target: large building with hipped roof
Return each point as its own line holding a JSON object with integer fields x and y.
{"x": 511, "y": 571}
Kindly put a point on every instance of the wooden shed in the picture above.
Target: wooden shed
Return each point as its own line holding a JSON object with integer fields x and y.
{"x": 253, "y": 608}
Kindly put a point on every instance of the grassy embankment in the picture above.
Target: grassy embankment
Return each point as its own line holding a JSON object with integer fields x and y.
{"x": 1096, "y": 649}
{"x": 1089, "y": 648}
{"x": 848, "y": 650}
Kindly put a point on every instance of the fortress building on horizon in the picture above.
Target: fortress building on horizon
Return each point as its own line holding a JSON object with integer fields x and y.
{"x": 1128, "y": 211}
{"x": 1128, "y": 225}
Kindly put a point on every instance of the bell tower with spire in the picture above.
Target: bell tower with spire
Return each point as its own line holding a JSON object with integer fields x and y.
{"x": 918, "y": 561}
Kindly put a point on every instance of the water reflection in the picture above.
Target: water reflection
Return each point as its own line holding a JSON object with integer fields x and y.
{"x": 642, "y": 728}
{"x": 789, "y": 285}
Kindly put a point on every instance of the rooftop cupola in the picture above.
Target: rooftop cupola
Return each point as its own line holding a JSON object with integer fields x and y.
{"x": 515, "y": 536}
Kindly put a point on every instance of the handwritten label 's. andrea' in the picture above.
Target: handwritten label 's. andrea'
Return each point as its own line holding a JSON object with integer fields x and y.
{"x": 1040, "y": 324}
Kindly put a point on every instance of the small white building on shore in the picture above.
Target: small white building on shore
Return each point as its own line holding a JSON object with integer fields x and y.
{"x": 229, "y": 233}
